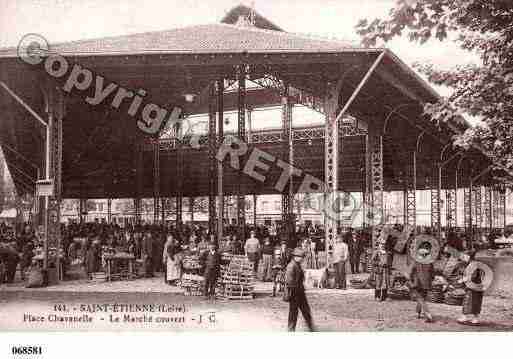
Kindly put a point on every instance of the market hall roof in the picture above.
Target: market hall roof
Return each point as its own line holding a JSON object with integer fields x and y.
{"x": 213, "y": 38}
{"x": 168, "y": 63}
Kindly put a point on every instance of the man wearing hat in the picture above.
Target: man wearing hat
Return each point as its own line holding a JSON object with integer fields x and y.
{"x": 211, "y": 260}
{"x": 294, "y": 277}
{"x": 340, "y": 256}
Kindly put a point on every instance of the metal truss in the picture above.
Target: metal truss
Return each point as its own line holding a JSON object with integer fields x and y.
{"x": 410, "y": 195}
{"x": 271, "y": 82}
{"x": 478, "y": 209}
{"x": 272, "y": 136}
{"x": 287, "y": 198}
{"x": 467, "y": 208}
{"x": 308, "y": 100}
{"x": 451, "y": 207}
{"x": 436, "y": 214}
{"x": 411, "y": 207}
{"x": 488, "y": 220}
{"x": 267, "y": 137}
{"x": 350, "y": 129}
{"x": 302, "y": 97}
{"x": 376, "y": 163}
{"x": 156, "y": 180}
{"x": 241, "y": 134}
{"x": 212, "y": 163}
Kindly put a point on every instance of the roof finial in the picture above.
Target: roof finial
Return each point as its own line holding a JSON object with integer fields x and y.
{"x": 249, "y": 19}
{"x": 252, "y": 14}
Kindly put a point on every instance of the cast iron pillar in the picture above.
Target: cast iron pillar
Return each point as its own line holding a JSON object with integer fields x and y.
{"x": 287, "y": 197}
{"x": 179, "y": 176}
{"x": 82, "y": 205}
{"x": 488, "y": 221}
{"x": 212, "y": 162}
{"x": 156, "y": 180}
{"x": 220, "y": 139}
{"x": 56, "y": 109}
{"x": 109, "y": 210}
{"x": 191, "y": 208}
{"x": 376, "y": 167}
{"x": 467, "y": 208}
{"x": 163, "y": 201}
{"x": 501, "y": 192}
{"x": 495, "y": 207}
{"x": 451, "y": 198}
{"x": 255, "y": 199}
{"x": 478, "y": 212}
{"x": 331, "y": 155}
{"x": 139, "y": 169}
{"x": 241, "y": 134}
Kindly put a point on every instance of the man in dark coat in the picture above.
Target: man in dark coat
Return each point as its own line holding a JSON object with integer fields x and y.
{"x": 355, "y": 246}
{"x": 211, "y": 260}
{"x": 294, "y": 277}
{"x": 9, "y": 256}
{"x": 147, "y": 254}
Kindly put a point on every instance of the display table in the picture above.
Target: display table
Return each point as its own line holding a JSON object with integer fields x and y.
{"x": 120, "y": 266}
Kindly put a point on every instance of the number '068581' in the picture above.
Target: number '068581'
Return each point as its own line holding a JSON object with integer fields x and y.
{"x": 27, "y": 350}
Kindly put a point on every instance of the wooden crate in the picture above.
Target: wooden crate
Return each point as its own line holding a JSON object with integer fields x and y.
{"x": 99, "y": 276}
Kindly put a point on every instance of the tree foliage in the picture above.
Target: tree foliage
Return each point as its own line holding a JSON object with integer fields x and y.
{"x": 484, "y": 90}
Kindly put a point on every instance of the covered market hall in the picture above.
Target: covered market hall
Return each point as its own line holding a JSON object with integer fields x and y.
{"x": 98, "y": 106}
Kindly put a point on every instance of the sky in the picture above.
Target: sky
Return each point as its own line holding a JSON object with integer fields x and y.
{"x": 66, "y": 20}
{"x": 62, "y": 20}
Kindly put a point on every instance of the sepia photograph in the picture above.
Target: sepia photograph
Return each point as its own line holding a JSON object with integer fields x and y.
{"x": 255, "y": 166}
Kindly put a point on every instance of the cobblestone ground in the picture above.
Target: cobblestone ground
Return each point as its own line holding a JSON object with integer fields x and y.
{"x": 333, "y": 310}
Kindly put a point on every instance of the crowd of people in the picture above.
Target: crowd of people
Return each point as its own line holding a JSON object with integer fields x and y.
{"x": 161, "y": 248}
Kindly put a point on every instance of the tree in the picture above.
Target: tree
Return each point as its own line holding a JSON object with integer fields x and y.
{"x": 484, "y": 91}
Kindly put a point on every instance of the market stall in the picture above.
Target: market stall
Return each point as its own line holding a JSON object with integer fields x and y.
{"x": 119, "y": 266}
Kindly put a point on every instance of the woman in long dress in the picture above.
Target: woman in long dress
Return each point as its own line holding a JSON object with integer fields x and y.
{"x": 381, "y": 272}
{"x": 172, "y": 264}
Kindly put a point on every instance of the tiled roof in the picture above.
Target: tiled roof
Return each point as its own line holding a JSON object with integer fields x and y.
{"x": 214, "y": 38}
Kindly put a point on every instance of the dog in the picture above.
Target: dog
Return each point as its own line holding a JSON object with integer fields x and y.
{"x": 316, "y": 278}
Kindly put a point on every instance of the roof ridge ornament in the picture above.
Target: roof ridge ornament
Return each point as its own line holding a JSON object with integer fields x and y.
{"x": 249, "y": 19}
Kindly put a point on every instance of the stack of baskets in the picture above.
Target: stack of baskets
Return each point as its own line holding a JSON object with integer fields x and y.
{"x": 436, "y": 294}
{"x": 367, "y": 260}
{"x": 400, "y": 293}
{"x": 455, "y": 297}
{"x": 191, "y": 263}
{"x": 98, "y": 277}
{"x": 357, "y": 283}
{"x": 237, "y": 279}
{"x": 192, "y": 284}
